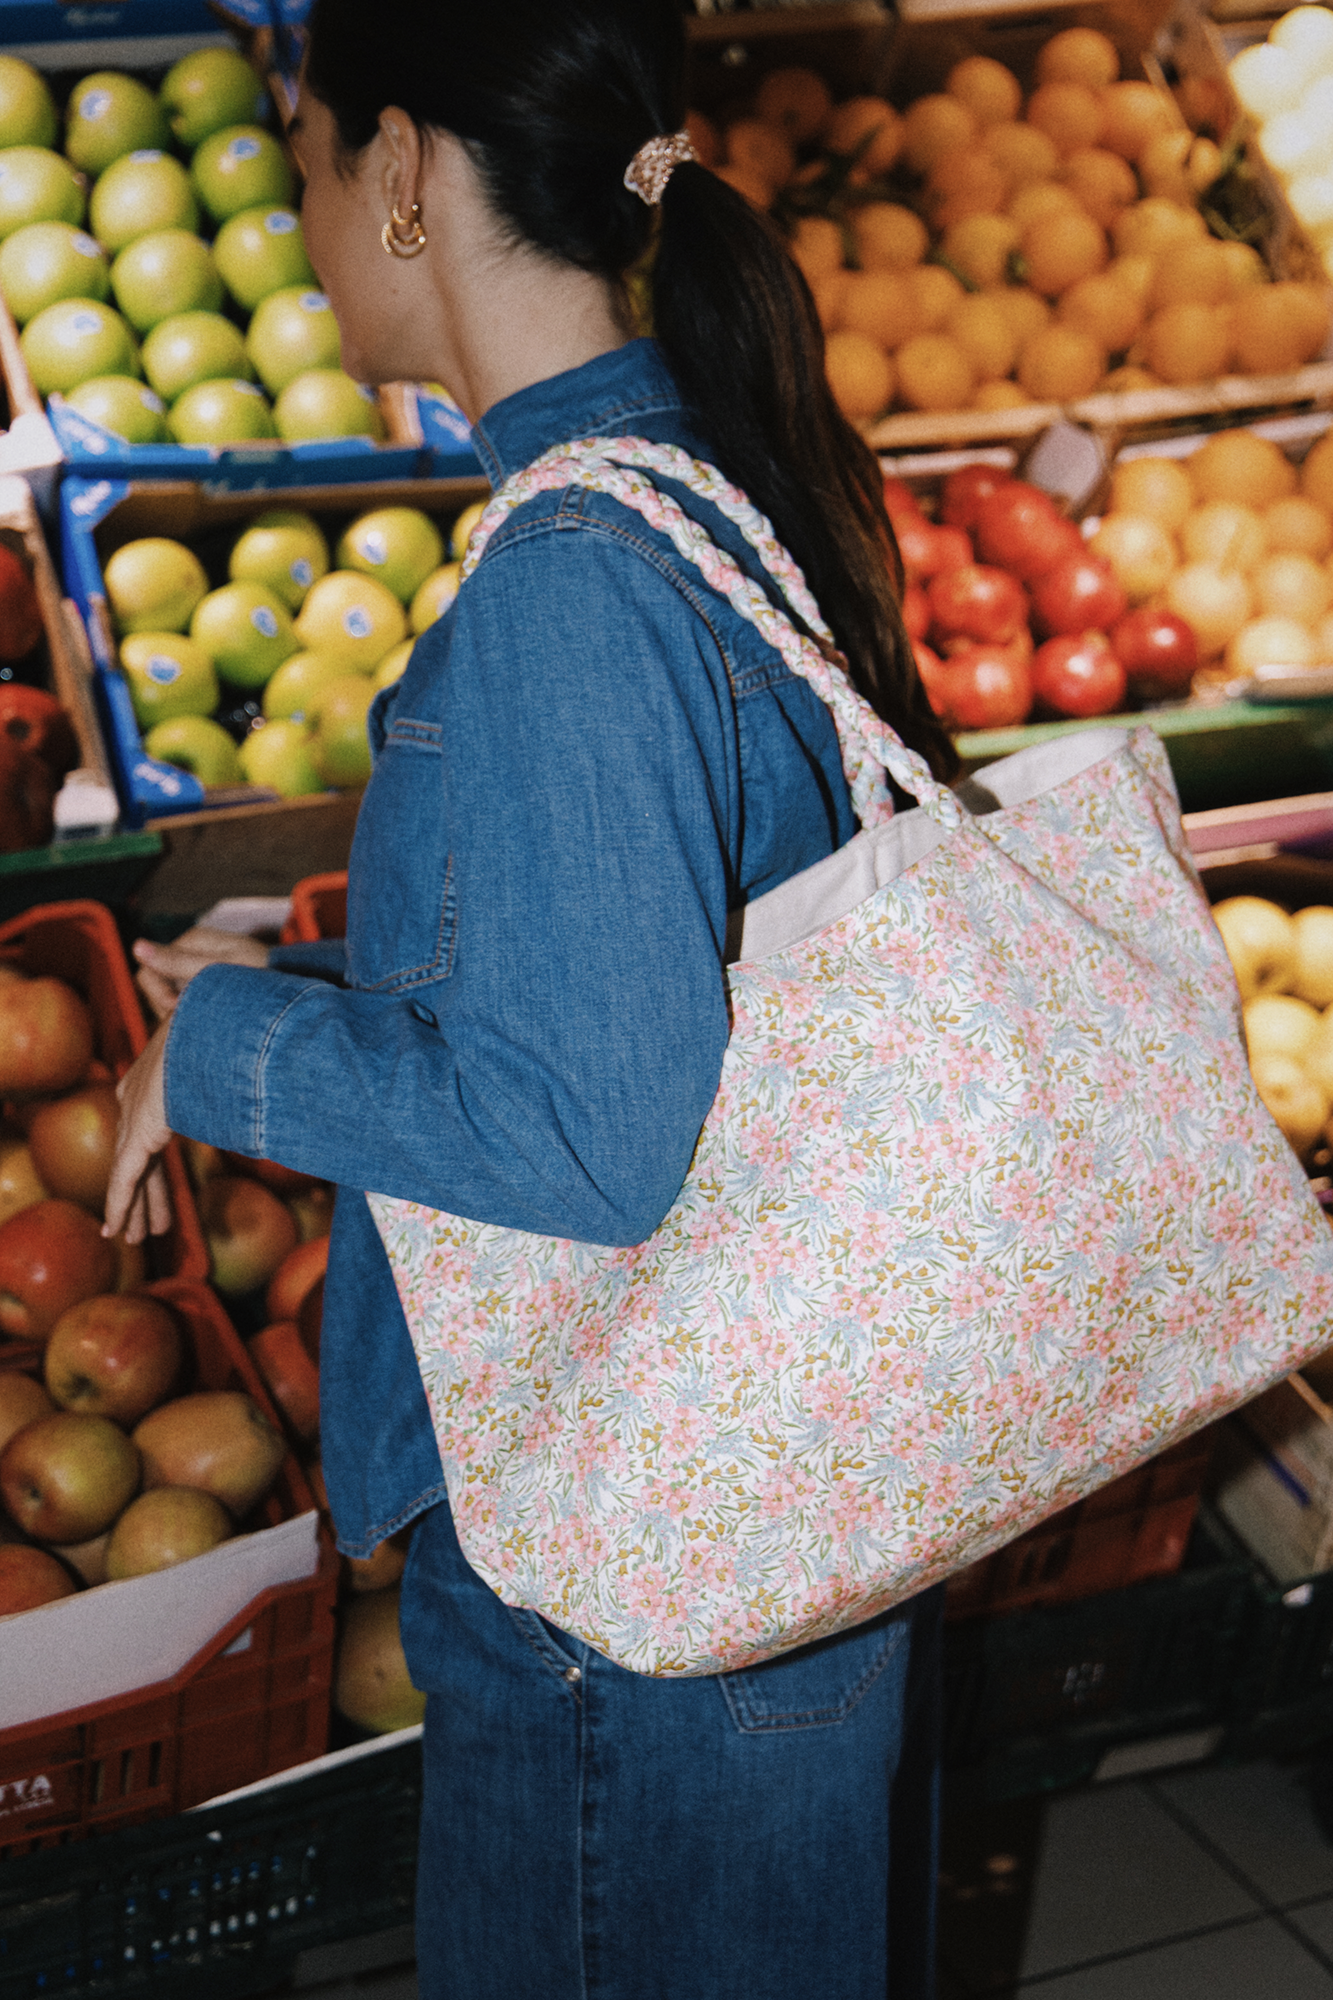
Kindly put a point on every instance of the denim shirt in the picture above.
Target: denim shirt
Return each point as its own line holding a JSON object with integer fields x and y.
{"x": 590, "y": 760}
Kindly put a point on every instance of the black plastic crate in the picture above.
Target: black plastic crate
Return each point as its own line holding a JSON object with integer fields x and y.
{"x": 1036, "y": 1700}
{"x": 1283, "y": 1697}
{"x": 218, "y": 1903}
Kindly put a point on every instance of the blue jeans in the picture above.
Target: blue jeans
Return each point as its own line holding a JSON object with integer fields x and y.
{"x": 590, "y": 1834}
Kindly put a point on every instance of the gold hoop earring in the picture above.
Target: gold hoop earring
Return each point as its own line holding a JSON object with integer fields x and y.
{"x": 413, "y": 242}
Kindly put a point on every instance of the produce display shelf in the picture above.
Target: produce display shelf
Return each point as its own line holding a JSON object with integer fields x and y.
{"x": 218, "y": 1903}
{"x": 107, "y": 869}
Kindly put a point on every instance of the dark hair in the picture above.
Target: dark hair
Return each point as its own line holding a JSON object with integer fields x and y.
{"x": 553, "y": 98}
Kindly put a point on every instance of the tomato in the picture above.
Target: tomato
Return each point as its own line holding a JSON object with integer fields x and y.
{"x": 1158, "y": 651}
{"x": 917, "y": 546}
{"x": 916, "y": 611}
{"x": 1080, "y": 594}
{"x": 1020, "y": 529}
{"x": 1019, "y": 648}
{"x": 983, "y": 687}
{"x": 964, "y": 491}
{"x": 1078, "y": 674}
{"x": 953, "y": 547}
{"x": 977, "y": 602}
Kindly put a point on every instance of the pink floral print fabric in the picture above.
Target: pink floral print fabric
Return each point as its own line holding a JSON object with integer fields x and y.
{"x": 986, "y": 1211}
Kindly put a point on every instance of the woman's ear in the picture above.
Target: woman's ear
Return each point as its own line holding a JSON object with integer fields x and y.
{"x": 402, "y": 161}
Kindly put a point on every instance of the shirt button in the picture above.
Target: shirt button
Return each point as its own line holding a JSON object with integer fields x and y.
{"x": 573, "y": 1676}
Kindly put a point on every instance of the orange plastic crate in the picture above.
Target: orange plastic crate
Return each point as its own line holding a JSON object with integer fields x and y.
{"x": 253, "y": 1701}
{"x": 319, "y": 909}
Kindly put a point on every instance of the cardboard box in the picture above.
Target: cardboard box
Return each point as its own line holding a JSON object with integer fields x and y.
{"x": 1275, "y": 1485}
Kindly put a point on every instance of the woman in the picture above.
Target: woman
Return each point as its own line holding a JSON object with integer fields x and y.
{"x": 588, "y": 764}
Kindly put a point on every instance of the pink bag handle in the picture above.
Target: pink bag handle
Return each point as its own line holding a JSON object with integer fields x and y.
{"x": 869, "y": 747}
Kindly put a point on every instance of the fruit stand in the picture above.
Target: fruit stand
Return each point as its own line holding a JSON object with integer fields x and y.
{"x": 1006, "y": 326}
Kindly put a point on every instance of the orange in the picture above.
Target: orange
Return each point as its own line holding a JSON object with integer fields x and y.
{"x": 1188, "y": 343}
{"x": 1292, "y": 586}
{"x": 880, "y": 304}
{"x": 1103, "y": 182}
{"x": 935, "y": 373}
{"x": 1068, "y": 113}
{"x": 1237, "y": 465}
{"x": 1123, "y": 381}
{"x": 1179, "y": 165}
{"x": 982, "y": 331}
{"x": 829, "y": 294}
{"x": 1215, "y": 602}
{"x": 1226, "y": 534}
{"x": 1058, "y": 250}
{"x": 991, "y": 92}
{"x": 1135, "y": 273}
{"x": 1295, "y": 526}
{"x": 1000, "y": 396}
{"x": 1025, "y": 153}
{"x": 1194, "y": 272}
{"x": 980, "y": 247}
{"x": 1104, "y": 307}
{"x": 1060, "y": 364}
{"x": 968, "y": 182}
{"x": 1159, "y": 488}
{"x": 1079, "y": 55}
{"x": 888, "y": 238}
{"x": 1026, "y": 312}
{"x": 862, "y": 118}
{"x": 1317, "y": 474}
{"x": 797, "y": 100}
{"x": 1276, "y": 327}
{"x": 1041, "y": 198}
{"x": 934, "y": 126}
{"x": 762, "y": 151}
{"x": 757, "y": 192}
{"x": 1245, "y": 265}
{"x": 1270, "y": 641}
{"x": 860, "y": 374}
{"x": 817, "y": 247}
{"x": 936, "y": 292}
{"x": 1134, "y": 114}
{"x": 1139, "y": 550}
{"x": 1154, "y": 225}
{"x": 705, "y": 138}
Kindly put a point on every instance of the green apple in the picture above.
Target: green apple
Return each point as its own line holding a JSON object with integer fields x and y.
{"x": 277, "y": 756}
{"x": 193, "y": 347}
{"x": 27, "y": 110}
{"x": 158, "y": 276}
{"x": 195, "y": 744}
{"x": 238, "y": 168}
{"x": 341, "y": 748}
{"x": 207, "y": 90}
{"x": 393, "y": 666}
{"x": 108, "y": 116}
{"x": 325, "y": 403}
{"x": 139, "y": 195}
{"x": 72, "y": 341}
{"x": 123, "y": 406}
{"x": 221, "y": 413}
{"x": 353, "y": 617}
{"x": 462, "y": 529}
{"x": 292, "y": 332}
{"x": 398, "y": 546}
{"x": 293, "y": 693}
{"x": 259, "y": 251}
{"x": 37, "y": 186}
{"x": 284, "y": 550}
{"x": 246, "y": 632}
{"x": 153, "y": 585}
{"x": 47, "y": 261}
{"x": 168, "y": 675}
{"x": 435, "y": 596}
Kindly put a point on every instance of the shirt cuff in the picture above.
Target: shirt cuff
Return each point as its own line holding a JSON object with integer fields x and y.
{"x": 220, "y": 1035}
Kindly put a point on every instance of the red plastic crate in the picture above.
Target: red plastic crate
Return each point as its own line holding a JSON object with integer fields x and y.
{"x": 79, "y": 942}
{"x": 1134, "y": 1528}
{"x": 253, "y": 1701}
{"x": 319, "y": 909}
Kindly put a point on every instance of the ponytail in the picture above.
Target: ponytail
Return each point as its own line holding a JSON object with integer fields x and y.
{"x": 553, "y": 99}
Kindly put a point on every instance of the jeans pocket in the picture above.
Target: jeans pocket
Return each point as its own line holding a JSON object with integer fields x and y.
{"x": 816, "y": 1686}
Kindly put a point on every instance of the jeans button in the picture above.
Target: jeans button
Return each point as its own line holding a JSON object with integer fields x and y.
{"x": 573, "y": 1676}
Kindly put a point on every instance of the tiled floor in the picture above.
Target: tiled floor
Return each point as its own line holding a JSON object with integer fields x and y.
{"x": 1205, "y": 1885}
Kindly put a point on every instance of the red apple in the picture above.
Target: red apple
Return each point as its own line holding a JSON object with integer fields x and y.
{"x": 382, "y": 1568}
{"x": 46, "y": 1034}
{"x": 1081, "y": 593}
{"x": 29, "y": 1578}
{"x": 52, "y": 1255}
{"x": 312, "y": 1212}
{"x": 1078, "y": 675}
{"x": 114, "y": 1356}
{"x": 979, "y": 602}
{"x": 36, "y": 722}
{"x": 1158, "y": 651}
{"x": 283, "y": 1180}
{"x": 916, "y": 611}
{"x": 965, "y": 490}
{"x": 299, "y": 1272}
{"x": 20, "y": 613}
{"x": 65, "y": 1478}
{"x": 166, "y": 1526}
{"x": 86, "y": 1559}
{"x": 985, "y": 687}
{"x": 27, "y": 799}
{"x": 1019, "y": 528}
{"x": 22, "y": 1401}
{"x": 219, "y": 1441}
{"x": 248, "y": 1229}
{"x": 900, "y": 503}
{"x": 289, "y": 1374}
{"x": 73, "y": 1141}
{"x": 310, "y": 1319}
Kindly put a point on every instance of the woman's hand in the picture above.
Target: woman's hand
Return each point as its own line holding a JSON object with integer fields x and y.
{"x": 137, "y": 1201}
{"x": 165, "y": 970}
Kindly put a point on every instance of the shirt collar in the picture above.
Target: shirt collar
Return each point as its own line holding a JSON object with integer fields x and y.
{"x": 613, "y": 393}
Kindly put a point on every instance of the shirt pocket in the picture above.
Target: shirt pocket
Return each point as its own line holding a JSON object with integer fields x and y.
{"x": 402, "y": 912}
